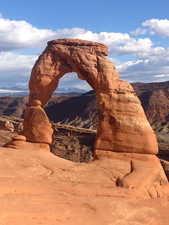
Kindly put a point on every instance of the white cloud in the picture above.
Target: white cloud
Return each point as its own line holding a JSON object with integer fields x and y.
{"x": 161, "y": 75}
{"x": 157, "y": 26}
{"x": 83, "y": 85}
{"x": 153, "y": 26}
{"x": 12, "y": 62}
{"x": 138, "y": 31}
{"x": 72, "y": 80}
{"x": 152, "y": 68}
{"x": 118, "y": 43}
{"x": 3, "y": 91}
{"x": 21, "y": 34}
{"x": 15, "y": 68}
{"x": 135, "y": 46}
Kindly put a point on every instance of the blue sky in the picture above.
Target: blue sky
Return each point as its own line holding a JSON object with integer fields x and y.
{"x": 136, "y": 32}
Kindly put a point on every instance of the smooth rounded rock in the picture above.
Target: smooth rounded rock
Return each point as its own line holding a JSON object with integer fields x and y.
{"x": 36, "y": 126}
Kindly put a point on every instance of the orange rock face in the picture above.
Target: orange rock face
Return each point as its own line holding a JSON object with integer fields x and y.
{"x": 123, "y": 125}
{"x": 37, "y": 127}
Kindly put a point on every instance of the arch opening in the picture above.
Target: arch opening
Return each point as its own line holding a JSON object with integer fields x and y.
{"x": 72, "y": 102}
{"x": 70, "y": 83}
{"x": 74, "y": 118}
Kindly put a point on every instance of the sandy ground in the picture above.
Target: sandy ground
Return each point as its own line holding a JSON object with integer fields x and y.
{"x": 38, "y": 188}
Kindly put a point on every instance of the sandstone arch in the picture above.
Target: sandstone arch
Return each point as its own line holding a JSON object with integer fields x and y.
{"x": 123, "y": 126}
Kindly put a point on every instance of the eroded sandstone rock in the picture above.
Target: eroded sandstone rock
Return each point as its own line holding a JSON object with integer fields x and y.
{"x": 37, "y": 127}
{"x": 123, "y": 125}
{"x": 20, "y": 142}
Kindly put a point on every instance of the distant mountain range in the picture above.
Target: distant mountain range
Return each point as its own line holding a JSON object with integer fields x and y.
{"x": 19, "y": 91}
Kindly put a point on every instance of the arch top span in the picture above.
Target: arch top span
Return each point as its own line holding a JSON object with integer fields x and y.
{"x": 88, "y": 59}
{"x": 98, "y": 48}
{"x": 123, "y": 126}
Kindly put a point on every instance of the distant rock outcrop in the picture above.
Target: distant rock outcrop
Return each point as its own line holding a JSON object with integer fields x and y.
{"x": 155, "y": 100}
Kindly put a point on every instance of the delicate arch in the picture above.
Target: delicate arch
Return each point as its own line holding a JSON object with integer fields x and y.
{"x": 123, "y": 126}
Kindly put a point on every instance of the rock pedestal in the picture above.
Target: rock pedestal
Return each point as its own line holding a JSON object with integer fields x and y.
{"x": 36, "y": 126}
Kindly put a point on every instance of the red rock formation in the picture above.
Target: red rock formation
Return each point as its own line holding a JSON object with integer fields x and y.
{"x": 123, "y": 125}
{"x": 37, "y": 127}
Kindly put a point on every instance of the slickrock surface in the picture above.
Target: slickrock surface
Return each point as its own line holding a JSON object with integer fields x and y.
{"x": 37, "y": 187}
{"x": 123, "y": 126}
